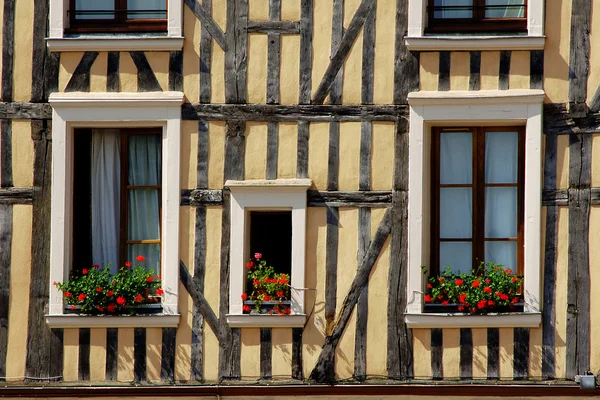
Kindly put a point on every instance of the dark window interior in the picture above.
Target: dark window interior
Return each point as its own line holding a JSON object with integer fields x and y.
{"x": 271, "y": 235}
{"x": 82, "y": 204}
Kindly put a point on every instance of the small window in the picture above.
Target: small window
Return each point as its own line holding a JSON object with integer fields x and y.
{"x": 118, "y": 15}
{"x": 477, "y": 16}
{"x": 477, "y": 198}
{"x": 271, "y": 236}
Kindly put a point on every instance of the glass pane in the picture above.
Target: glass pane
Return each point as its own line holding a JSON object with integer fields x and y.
{"x": 456, "y": 215}
{"x": 453, "y": 9}
{"x": 144, "y": 160}
{"x": 501, "y": 157}
{"x": 501, "y": 212}
{"x": 151, "y": 253}
{"x": 456, "y": 157}
{"x": 457, "y": 255}
{"x": 94, "y": 9}
{"x": 146, "y": 9}
{"x": 504, "y": 253}
{"x": 504, "y": 9}
{"x": 143, "y": 221}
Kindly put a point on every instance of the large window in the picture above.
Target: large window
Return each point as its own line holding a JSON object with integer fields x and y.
{"x": 477, "y": 15}
{"x": 477, "y": 197}
{"x": 118, "y": 15}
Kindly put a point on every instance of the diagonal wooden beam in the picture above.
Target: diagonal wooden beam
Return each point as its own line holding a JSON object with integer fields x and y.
{"x": 343, "y": 49}
{"x": 209, "y": 23}
{"x": 323, "y": 370}
{"x": 80, "y": 80}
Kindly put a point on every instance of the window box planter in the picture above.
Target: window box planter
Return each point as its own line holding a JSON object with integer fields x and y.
{"x": 453, "y": 309}
{"x": 140, "y": 309}
{"x": 268, "y": 307}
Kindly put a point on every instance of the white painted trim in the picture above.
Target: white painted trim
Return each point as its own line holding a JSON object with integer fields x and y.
{"x": 509, "y": 107}
{"x": 112, "y": 321}
{"x": 513, "y": 320}
{"x": 123, "y": 110}
{"x": 266, "y": 321}
{"x": 278, "y": 194}
{"x": 448, "y": 43}
{"x": 93, "y": 43}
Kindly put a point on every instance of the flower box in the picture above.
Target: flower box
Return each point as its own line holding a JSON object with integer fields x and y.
{"x": 140, "y": 309}
{"x": 453, "y": 309}
{"x": 268, "y": 307}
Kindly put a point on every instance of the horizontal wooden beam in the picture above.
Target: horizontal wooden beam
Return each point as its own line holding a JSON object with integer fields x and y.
{"x": 560, "y": 197}
{"x": 275, "y": 112}
{"x": 283, "y": 27}
{"x": 201, "y": 197}
{"x": 16, "y": 195}
{"x": 558, "y": 121}
{"x": 20, "y": 110}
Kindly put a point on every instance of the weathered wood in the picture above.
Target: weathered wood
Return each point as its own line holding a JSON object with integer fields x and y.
{"x": 266, "y": 353}
{"x": 437, "y": 353}
{"x": 39, "y": 335}
{"x": 406, "y": 64}
{"x": 18, "y": 110}
{"x": 333, "y": 159}
{"x": 368, "y": 57}
{"x": 112, "y": 353}
{"x": 197, "y": 354}
{"x": 362, "y": 306}
{"x": 521, "y": 353}
{"x": 444, "y": 71}
{"x": 235, "y": 149}
{"x": 274, "y": 53}
{"x": 202, "y": 166}
{"x": 466, "y": 353}
{"x": 493, "y": 353}
{"x": 306, "y": 32}
{"x": 6, "y": 228}
{"x": 6, "y": 172}
{"x": 277, "y": 27}
{"x": 337, "y": 32}
{"x": 8, "y": 43}
{"x": 139, "y": 355}
{"x": 201, "y": 197}
{"x": 555, "y": 197}
{"x": 241, "y": 49}
{"x": 558, "y": 121}
{"x": 323, "y": 198}
{"x": 84, "y": 354}
{"x": 331, "y": 261}
{"x": 205, "y": 58}
{"x": 579, "y": 57}
{"x": 272, "y": 150}
{"x": 167, "y": 362}
{"x": 208, "y": 22}
{"x": 323, "y": 370}
{"x": 302, "y": 148}
{"x": 147, "y": 81}
{"x": 536, "y": 69}
{"x": 231, "y": 95}
{"x": 297, "y": 371}
{"x": 51, "y": 69}
{"x": 56, "y": 355}
{"x": 364, "y": 180}
{"x": 176, "y": 71}
{"x": 504, "y": 70}
{"x": 275, "y": 112}
{"x": 112, "y": 71}
{"x": 342, "y": 51}
{"x": 578, "y": 299}
{"x": 475, "y": 70}
{"x": 80, "y": 80}
{"x": 40, "y": 25}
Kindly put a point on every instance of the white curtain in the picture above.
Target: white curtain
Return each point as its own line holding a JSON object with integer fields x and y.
{"x": 155, "y": 5}
{"x": 106, "y": 175}
{"x": 95, "y": 5}
{"x": 465, "y": 12}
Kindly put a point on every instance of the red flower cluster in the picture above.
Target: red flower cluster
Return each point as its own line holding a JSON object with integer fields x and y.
{"x": 140, "y": 258}
{"x": 159, "y": 292}
{"x": 128, "y": 264}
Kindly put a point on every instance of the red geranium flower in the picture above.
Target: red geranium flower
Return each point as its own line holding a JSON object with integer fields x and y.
{"x": 73, "y": 307}
{"x": 487, "y": 281}
{"x": 487, "y": 289}
{"x": 440, "y": 296}
{"x": 95, "y": 266}
{"x": 514, "y": 300}
{"x": 85, "y": 271}
{"x": 111, "y": 307}
{"x": 256, "y": 282}
{"x": 98, "y": 289}
{"x": 138, "y": 298}
{"x": 100, "y": 308}
{"x": 128, "y": 264}
{"x": 279, "y": 293}
{"x": 156, "y": 277}
{"x": 461, "y": 308}
{"x": 459, "y": 282}
{"x": 54, "y": 283}
{"x": 250, "y": 264}
{"x": 476, "y": 283}
{"x": 68, "y": 294}
{"x": 445, "y": 303}
{"x": 140, "y": 258}
{"x": 428, "y": 299}
{"x": 441, "y": 280}
{"x": 491, "y": 303}
{"x": 81, "y": 297}
{"x": 244, "y": 296}
{"x": 429, "y": 286}
{"x": 267, "y": 298}
{"x": 149, "y": 279}
{"x": 246, "y": 308}
{"x": 121, "y": 300}
{"x": 481, "y": 304}
{"x": 503, "y": 296}
{"x": 462, "y": 297}
{"x": 473, "y": 310}
{"x": 508, "y": 271}
{"x": 288, "y": 310}
{"x": 109, "y": 293}
{"x": 515, "y": 279}
{"x": 159, "y": 291}
{"x": 258, "y": 256}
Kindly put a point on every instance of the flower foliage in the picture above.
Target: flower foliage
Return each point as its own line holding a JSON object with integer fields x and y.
{"x": 265, "y": 285}
{"x": 97, "y": 291}
{"x": 495, "y": 289}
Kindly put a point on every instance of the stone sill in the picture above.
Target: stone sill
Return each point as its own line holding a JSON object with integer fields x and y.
{"x": 449, "y": 43}
{"x": 504, "y": 320}
{"x": 95, "y": 43}
{"x": 266, "y": 321}
{"x": 112, "y": 321}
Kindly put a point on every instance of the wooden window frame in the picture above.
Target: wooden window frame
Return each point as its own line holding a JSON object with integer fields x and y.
{"x": 476, "y": 24}
{"x": 120, "y": 23}
{"x": 478, "y": 184}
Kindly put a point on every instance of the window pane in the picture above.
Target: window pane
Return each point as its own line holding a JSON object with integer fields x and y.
{"x": 143, "y": 223}
{"x": 150, "y": 251}
{"x": 146, "y": 9}
{"x": 456, "y": 213}
{"x": 501, "y": 157}
{"x": 456, "y": 157}
{"x": 501, "y": 212}
{"x": 453, "y": 9}
{"x": 94, "y": 9}
{"x": 504, "y": 253}
{"x": 144, "y": 160}
{"x": 505, "y": 9}
{"x": 457, "y": 255}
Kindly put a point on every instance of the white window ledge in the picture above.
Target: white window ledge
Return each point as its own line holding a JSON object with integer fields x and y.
{"x": 266, "y": 321}
{"x": 476, "y": 97}
{"x": 115, "y": 43}
{"x": 112, "y": 321}
{"x": 446, "y": 43}
{"x": 508, "y": 320}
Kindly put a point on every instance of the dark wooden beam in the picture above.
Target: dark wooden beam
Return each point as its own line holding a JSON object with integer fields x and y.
{"x": 493, "y": 353}
{"x": 112, "y": 353}
{"x": 266, "y": 353}
{"x": 139, "y": 355}
{"x": 437, "y": 354}
{"x": 579, "y": 58}
{"x": 466, "y": 353}
{"x": 521, "y": 353}
{"x": 406, "y": 63}
{"x": 83, "y": 365}
{"x": 475, "y": 70}
{"x": 444, "y": 71}
{"x": 281, "y": 27}
{"x": 167, "y": 362}
{"x": 354, "y": 199}
{"x": 197, "y": 356}
{"x": 504, "y": 70}
{"x": 536, "y": 69}
{"x": 176, "y": 71}
{"x": 147, "y": 81}
{"x": 80, "y": 80}
{"x": 207, "y": 21}
{"x": 6, "y": 228}
{"x": 112, "y": 71}
{"x": 40, "y": 25}
{"x": 302, "y": 148}
{"x": 6, "y": 170}
{"x": 205, "y": 58}
{"x": 306, "y": 34}
{"x": 8, "y": 45}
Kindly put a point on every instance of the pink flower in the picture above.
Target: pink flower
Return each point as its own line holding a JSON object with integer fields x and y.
{"x": 258, "y": 256}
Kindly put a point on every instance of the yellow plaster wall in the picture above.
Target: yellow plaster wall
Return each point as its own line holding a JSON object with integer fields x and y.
{"x": 250, "y": 358}
{"x": 218, "y": 55}
{"x": 191, "y": 56}
{"x": 490, "y": 70}
{"x": 189, "y": 154}
{"x": 98, "y": 73}
{"x": 383, "y": 82}
{"x": 382, "y": 155}
{"x": 556, "y": 50}
{"x": 153, "y": 353}
{"x": 257, "y": 68}
{"x": 451, "y": 353}
{"x": 519, "y": 70}
{"x": 422, "y": 353}
{"x": 258, "y": 10}
{"x": 256, "y": 150}
{"x": 216, "y": 154}
{"x": 127, "y": 73}
{"x": 97, "y": 354}
{"x": 68, "y": 63}
{"x": 290, "y": 10}
{"x": 318, "y": 153}
{"x": 290, "y": 67}
{"x": 595, "y": 178}
{"x": 125, "y": 345}
{"x": 71, "y": 355}
{"x": 322, "y": 22}
{"x": 22, "y": 150}
{"x": 351, "y": 87}
{"x": 429, "y": 70}
{"x": 349, "y": 155}
{"x": 562, "y": 162}
{"x": 507, "y": 352}
{"x": 287, "y": 153}
{"x": 159, "y": 62}
{"x": 23, "y": 50}
{"x": 281, "y": 360}
{"x": 183, "y": 339}
{"x": 594, "y": 36}
{"x": 460, "y": 67}
{"x": 479, "y": 336}
{"x": 561, "y": 288}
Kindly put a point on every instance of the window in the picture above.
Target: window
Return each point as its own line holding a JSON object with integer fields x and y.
{"x": 477, "y": 16}
{"x": 477, "y": 197}
{"x": 118, "y": 15}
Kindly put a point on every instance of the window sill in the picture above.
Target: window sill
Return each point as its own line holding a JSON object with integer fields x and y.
{"x": 112, "y": 321}
{"x": 467, "y": 42}
{"x": 266, "y": 321}
{"x": 115, "y": 43}
{"x": 504, "y": 320}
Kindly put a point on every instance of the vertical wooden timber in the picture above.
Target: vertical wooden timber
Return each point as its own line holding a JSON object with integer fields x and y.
{"x": 306, "y": 33}
{"x": 493, "y": 353}
{"x": 197, "y": 357}
{"x": 536, "y": 69}
{"x": 266, "y": 353}
{"x": 578, "y": 298}
{"x": 297, "y": 372}
{"x": 475, "y": 70}
{"x": 444, "y": 71}
{"x": 6, "y": 173}
{"x": 6, "y": 223}
{"x": 272, "y": 149}
{"x": 521, "y": 353}
{"x": 549, "y": 310}
{"x": 176, "y": 71}
{"x": 331, "y": 261}
{"x": 56, "y": 354}
{"x": 504, "y": 70}
{"x": 579, "y": 58}
{"x": 302, "y": 162}
{"x": 437, "y": 353}
{"x": 167, "y": 362}
{"x": 147, "y": 81}
{"x": 8, "y": 45}
{"x": 112, "y": 71}
{"x": 51, "y": 68}
{"x": 40, "y": 25}
{"x": 205, "y": 57}
{"x": 112, "y": 353}
{"x": 139, "y": 355}
{"x": 362, "y": 306}
{"x": 406, "y": 63}
{"x": 466, "y": 353}
{"x": 39, "y": 336}
{"x": 84, "y": 354}
{"x": 80, "y": 80}
{"x": 273, "y": 88}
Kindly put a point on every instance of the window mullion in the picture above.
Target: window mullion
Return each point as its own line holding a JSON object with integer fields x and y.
{"x": 479, "y": 10}
{"x": 120, "y": 5}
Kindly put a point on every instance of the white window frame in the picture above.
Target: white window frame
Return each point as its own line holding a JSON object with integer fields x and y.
{"x": 266, "y": 195}
{"x": 472, "y": 108}
{"x": 59, "y": 21}
{"x": 417, "y": 40}
{"x": 114, "y": 110}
